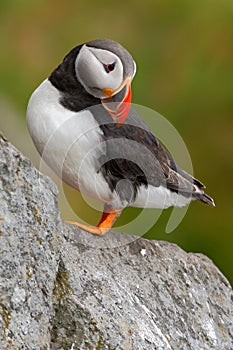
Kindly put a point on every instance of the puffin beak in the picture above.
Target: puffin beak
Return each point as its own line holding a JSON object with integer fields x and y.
{"x": 117, "y": 102}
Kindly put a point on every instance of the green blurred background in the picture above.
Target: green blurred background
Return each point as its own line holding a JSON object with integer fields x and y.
{"x": 184, "y": 54}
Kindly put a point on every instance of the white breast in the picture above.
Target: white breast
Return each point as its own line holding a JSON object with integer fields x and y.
{"x": 69, "y": 142}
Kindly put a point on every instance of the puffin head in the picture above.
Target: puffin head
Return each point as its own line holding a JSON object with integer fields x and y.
{"x": 105, "y": 69}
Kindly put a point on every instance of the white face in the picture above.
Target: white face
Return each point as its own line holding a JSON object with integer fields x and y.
{"x": 98, "y": 69}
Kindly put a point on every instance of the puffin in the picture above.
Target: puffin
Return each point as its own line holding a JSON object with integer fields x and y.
{"x": 83, "y": 125}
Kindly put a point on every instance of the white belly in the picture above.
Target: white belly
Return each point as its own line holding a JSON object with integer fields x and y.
{"x": 69, "y": 142}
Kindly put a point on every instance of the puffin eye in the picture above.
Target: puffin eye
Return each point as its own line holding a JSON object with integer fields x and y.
{"x": 109, "y": 67}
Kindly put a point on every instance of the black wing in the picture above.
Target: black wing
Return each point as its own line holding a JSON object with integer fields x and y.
{"x": 136, "y": 155}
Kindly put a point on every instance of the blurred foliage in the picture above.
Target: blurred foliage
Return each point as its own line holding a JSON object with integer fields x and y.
{"x": 184, "y": 54}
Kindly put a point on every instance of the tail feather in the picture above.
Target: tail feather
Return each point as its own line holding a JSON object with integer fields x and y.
{"x": 190, "y": 178}
{"x": 203, "y": 197}
{"x": 199, "y": 186}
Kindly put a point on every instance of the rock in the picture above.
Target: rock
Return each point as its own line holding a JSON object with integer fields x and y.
{"x": 30, "y": 245}
{"x": 62, "y": 289}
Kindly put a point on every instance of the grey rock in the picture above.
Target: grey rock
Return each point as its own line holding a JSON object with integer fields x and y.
{"x": 30, "y": 245}
{"x": 61, "y": 288}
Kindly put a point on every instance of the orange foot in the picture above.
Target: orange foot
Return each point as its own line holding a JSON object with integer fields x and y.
{"x": 108, "y": 218}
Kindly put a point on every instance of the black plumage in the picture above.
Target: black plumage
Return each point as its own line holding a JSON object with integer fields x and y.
{"x": 73, "y": 95}
{"x": 146, "y": 161}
